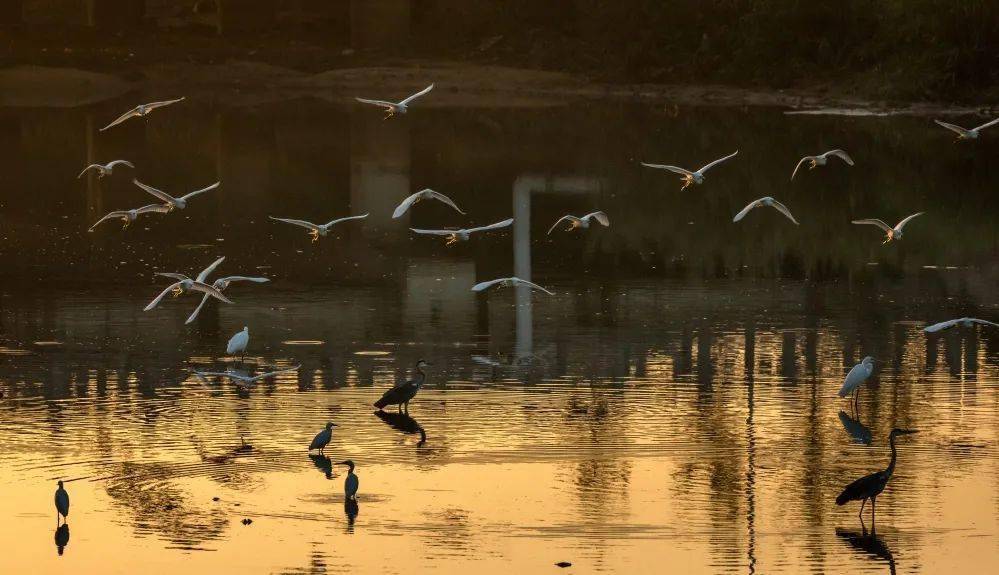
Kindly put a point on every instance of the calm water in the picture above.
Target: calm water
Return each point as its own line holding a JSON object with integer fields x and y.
{"x": 672, "y": 408}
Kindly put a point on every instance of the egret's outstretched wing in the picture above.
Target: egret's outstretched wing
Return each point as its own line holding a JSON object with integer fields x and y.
{"x": 424, "y": 194}
{"x": 435, "y": 232}
{"x": 800, "y": 162}
{"x": 482, "y": 286}
{"x": 303, "y": 223}
{"x": 942, "y": 325}
{"x": 783, "y": 209}
{"x": 110, "y": 216}
{"x": 874, "y": 222}
{"x": 129, "y": 114}
{"x": 85, "y": 170}
{"x": 114, "y": 163}
{"x": 157, "y": 299}
{"x": 210, "y": 290}
{"x": 197, "y": 310}
{"x": 718, "y": 161}
{"x": 338, "y": 220}
{"x": 171, "y": 275}
{"x": 160, "y": 194}
{"x": 417, "y": 95}
{"x": 256, "y": 280}
{"x": 902, "y": 223}
{"x": 841, "y": 155}
{"x": 670, "y": 168}
{"x": 749, "y": 207}
{"x": 154, "y": 105}
{"x": 271, "y": 374}
{"x": 560, "y": 220}
{"x": 599, "y": 216}
{"x": 430, "y": 194}
{"x": 496, "y": 226}
{"x": 208, "y": 270}
{"x": 987, "y": 124}
{"x": 519, "y": 281}
{"x": 381, "y": 103}
{"x": 404, "y": 206}
{"x": 953, "y": 128}
{"x": 201, "y": 191}
{"x": 983, "y": 322}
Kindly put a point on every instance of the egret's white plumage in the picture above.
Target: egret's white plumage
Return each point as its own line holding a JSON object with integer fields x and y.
{"x": 393, "y": 108}
{"x": 964, "y": 321}
{"x": 769, "y": 202}
{"x": 238, "y": 342}
{"x": 323, "y": 438}
{"x": 425, "y": 194}
{"x": 463, "y": 234}
{"x": 140, "y": 110}
{"x": 105, "y": 169}
{"x": 695, "y": 177}
{"x": 822, "y": 159}
{"x": 508, "y": 282}
{"x": 583, "y": 222}
{"x": 129, "y": 216}
{"x": 316, "y": 230}
{"x": 184, "y": 284}
{"x": 857, "y": 376}
{"x": 178, "y": 203}
{"x": 890, "y": 232}
{"x": 964, "y": 133}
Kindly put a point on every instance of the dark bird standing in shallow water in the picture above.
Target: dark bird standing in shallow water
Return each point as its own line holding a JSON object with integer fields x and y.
{"x": 870, "y": 486}
{"x": 61, "y": 503}
{"x": 402, "y": 393}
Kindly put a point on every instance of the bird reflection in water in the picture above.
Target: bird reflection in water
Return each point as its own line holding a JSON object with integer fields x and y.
{"x": 350, "y": 509}
{"x": 404, "y": 423}
{"x": 322, "y": 463}
{"x": 62, "y": 537}
{"x": 869, "y": 544}
{"x": 855, "y": 429}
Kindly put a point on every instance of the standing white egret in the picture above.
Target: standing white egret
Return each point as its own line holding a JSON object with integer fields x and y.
{"x": 238, "y": 342}
{"x": 139, "y": 111}
{"x": 61, "y": 503}
{"x": 580, "y": 223}
{"x": 402, "y": 393}
{"x": 821, "y": 160}
{"x": 424, "y": 194}
{"x": 890, "y": 232}
{"x": 964, "y": 133}
{"x": 463, "y": 235}
{"x": 508, "y": 282}
{"x": 870, "y": 486}
{"x": 178, "y": 203}
{"x": 767, "y": 202}
{"x": 243, "y": 380}
{"x": 350, "y": 484}
{"x": 129, "y": 216}
{"x": 316, "y": 230}
{"x": 323, "y": 438}
{"x": 696, "y": 177}
{"x": 105, "y": 169}
{"x": 393, "y": 108}
{"x": 964, "y": 321}
{"x": 857, "y": 376}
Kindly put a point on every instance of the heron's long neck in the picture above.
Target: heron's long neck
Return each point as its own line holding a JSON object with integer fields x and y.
{"x": 420, "y": 376}
{"x": 894, "y": 455}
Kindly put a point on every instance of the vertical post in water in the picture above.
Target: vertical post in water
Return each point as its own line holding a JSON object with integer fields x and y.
{"x": 522, "y": 190}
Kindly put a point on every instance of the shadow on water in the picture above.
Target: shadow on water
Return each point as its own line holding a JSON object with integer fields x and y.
{"x": 869, "y": 544}
{"x": 350, "y": 509}
{"x": 62, "y": 537}
{"x": 322, "y": 463}
{"x": 859, "y": 432}
{"x": 403, "y": 423}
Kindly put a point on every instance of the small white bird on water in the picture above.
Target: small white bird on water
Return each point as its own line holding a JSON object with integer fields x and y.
{"x": 821, "y": 160}
{"x": 316, "y": 230}
{"x": 768, "y": 202}
{"x": 237, "y": 343}
{"x": 963, "y": 321}
{"x": 580, "y": 223}
{"x": 857, "y": 376}
{"x": 463, "y": 235}
{"x": 140, "y": 110}
{"x": 964, "y": 133}
{"x": 129, "y": 216}
{"x": 890, "y": 232}
{"x": 696, "y": 177}
{"x": 393, "y": 108}
{"x": 178, "y": 203}
{"x": 508, "y": 282}
{"x": 105, "y": 169}
{"x": 425, "y": 194}
{"x": 323, "y": 438}
{"x": 61, "y": 503}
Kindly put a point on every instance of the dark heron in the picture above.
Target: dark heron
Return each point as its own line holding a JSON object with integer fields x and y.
{"x": 870, "y": 486}
{"x": 351, "y": 483}
{"x": 323, "y": 438}
{"x": 61, "y": 503}
{"x": 402, "y": 393}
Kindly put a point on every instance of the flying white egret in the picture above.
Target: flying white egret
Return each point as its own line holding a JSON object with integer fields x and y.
{"x": 890, "y": 232}
{"x": 178, "y": 203}
{"x": 425, "y": 194}
{"x": 323, "y": 438}
{"x": 351, "y": 483}
{"x": 242, "y": 379}
{"x": 768, "y": 202}
{"x": 393, "y": 108}
{"x": 964, "y": 133}
{"x": 857, "y": 376}
{"x": 238, "y": 342}
{"x": 402, "y": 393}
{"x": 454, "y": 236}
{"x": 140, "y": 110}
{"x": 870, "y": 486}
{"x": 61, "y": 503}
{"x": 581, "y": 223}
{"x": 105, "y": 169}
{"x": 129, "y": 216}
{"x": 689, "y": 177}
{"x": 221, "y": 284}
{"x": 822, "y": 159}
{"x": 507, "y": 282}
{"x": 316, "y": 230}
{"x": 184, "y": 284}
{"x": 964, "y": 321}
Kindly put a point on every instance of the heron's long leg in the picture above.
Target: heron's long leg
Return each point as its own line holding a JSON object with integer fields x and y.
{"x": 874, "y": 515}
{"x": 862, "y": 504}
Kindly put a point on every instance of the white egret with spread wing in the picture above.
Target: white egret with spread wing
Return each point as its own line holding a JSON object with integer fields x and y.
{"x": 964, "y": 133}
{"x": 963, "y": 321}
{"x": 695, "y": 177}
{"x": 186, "y": 284}
{"x": 580, "y": 223}
{"x": 821, "y": 160}
{"x": 178, "y": 203}
{"x": 765, "y": 202}
{"x": 105, "y": 169}
{"x": 463, "y": 235}
{"x": 316, "y": 230}
{"x": 890, "y": 232}
{"x": 508, "y": 282}
{"x": 139, "y": 111}
{"x": 425, "y": 194}
{"x": 393, "y": 108}
{"x": 129, "y": 216}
